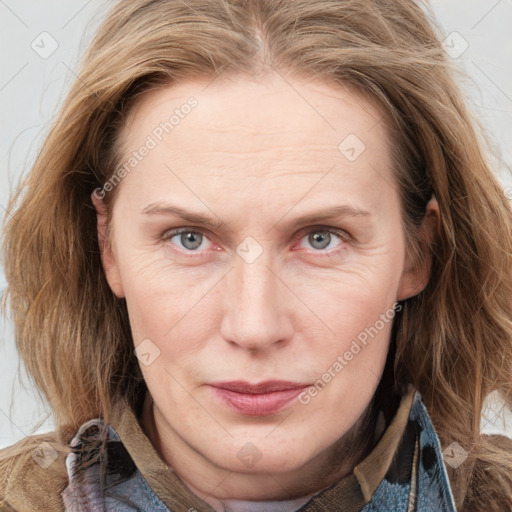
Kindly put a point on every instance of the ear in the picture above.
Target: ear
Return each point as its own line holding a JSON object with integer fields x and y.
{"x": 107, "y": 254}
{"x": 415, "y": 279}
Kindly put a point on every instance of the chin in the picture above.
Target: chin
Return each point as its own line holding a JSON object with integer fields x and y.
{"x": 262, "y": 457}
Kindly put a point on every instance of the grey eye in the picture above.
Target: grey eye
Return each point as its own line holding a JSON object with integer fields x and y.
{"x": 190, "y": 240}
{"x": 319, "y": 239}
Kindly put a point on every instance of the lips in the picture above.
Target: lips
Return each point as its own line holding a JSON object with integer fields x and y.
{"x": 259, "y": 399}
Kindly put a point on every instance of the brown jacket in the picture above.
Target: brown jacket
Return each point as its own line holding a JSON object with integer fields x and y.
{"x": 26, "y": 486}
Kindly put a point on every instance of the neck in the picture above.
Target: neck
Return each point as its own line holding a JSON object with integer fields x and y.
{"x": 201, "y": 475}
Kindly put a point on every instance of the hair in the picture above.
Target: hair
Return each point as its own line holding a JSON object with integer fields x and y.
{"x": 452, "y": 341}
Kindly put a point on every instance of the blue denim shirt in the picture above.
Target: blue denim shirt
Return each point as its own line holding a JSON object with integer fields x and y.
{"x": 416, "y": 480}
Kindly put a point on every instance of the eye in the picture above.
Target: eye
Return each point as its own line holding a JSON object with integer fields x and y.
{"x": 320, "y": 238}
{"x": 324, "y": 237}
{"x": 187, "y": 239}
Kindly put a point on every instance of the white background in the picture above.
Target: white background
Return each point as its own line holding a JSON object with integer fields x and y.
{"x": 31, "y": 87}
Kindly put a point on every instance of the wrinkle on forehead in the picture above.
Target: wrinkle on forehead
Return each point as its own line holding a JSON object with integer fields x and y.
{"x": 261, "y": 139}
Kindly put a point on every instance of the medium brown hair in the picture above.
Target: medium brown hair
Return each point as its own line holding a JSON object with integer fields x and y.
{"x": 453, "y": 341}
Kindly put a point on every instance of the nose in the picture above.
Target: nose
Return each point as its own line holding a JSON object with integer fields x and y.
{"x": 256, "y": 307}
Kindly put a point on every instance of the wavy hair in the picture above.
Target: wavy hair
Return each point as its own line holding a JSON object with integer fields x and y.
{"x": 453, "y": 341}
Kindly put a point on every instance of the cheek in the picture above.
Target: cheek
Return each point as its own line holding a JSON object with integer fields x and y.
{"x": 348, "y": 369}
{"x": 360, "y": 328}
{"x": 165, "y": 304}
{"x": 152, "y": 297}
{"x": 354, "y": 313}
{"x": 347, "y": 300}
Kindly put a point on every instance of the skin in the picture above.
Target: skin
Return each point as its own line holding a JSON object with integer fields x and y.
{"x": 255, "y": 155}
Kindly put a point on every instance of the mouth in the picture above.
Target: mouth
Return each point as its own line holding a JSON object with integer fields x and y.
{"x": 261, "y": 399}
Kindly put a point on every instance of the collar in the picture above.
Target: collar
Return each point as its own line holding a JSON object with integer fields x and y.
{"x": 404, "y": 472}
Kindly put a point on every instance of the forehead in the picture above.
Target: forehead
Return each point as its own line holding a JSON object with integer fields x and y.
{"x": 270, "y": 133}
{"x": 235, "y": 105}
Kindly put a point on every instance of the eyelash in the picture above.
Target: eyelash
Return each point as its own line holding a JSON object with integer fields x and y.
{"x": 343, "y": 235}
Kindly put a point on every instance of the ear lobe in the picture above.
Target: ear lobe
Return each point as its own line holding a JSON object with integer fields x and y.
{"x": 415, "y": 279}
{"x": 107, "y": 255}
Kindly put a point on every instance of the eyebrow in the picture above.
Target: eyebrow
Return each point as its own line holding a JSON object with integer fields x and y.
{"x": 332, "y": 212}
{"x": 310, "y": 218}
{"x": 192, "y": 217}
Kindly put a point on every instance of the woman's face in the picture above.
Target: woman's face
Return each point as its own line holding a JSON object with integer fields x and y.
{"x": 257, "y": 238}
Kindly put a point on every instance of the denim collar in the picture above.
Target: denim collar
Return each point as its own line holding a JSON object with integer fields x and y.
{"x": 405, "y": 471}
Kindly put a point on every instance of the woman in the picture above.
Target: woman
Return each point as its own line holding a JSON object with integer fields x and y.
{"x": 262, "y": 264}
